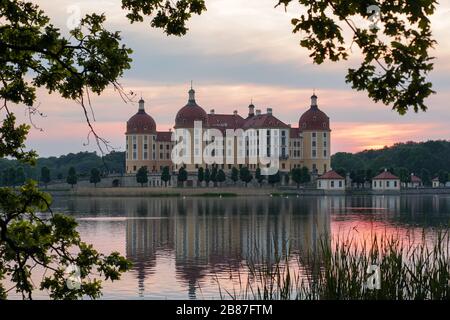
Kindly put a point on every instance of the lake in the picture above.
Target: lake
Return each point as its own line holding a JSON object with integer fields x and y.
{"x": 182, "y": 248}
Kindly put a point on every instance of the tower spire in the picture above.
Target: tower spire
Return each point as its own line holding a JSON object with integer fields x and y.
{"x": 141, "y": 105}
{"x": 192, "y": 94}
{"x": 314, "y": 99}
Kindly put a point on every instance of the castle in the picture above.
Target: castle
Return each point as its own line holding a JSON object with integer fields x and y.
{"x": 306, "y": 145}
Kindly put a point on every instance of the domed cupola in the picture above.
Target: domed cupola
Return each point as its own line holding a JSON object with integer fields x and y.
{"x": 190, "y": 113}
{"x": 314, "y": 119}
{"x": 141, "y": 122}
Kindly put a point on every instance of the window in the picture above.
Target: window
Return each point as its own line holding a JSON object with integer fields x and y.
{"x": 324, "y": 153}
{"x": 387, "y": 184}
{"x": 332, "y": 183}
{"x": 340, "y": 184}
{"x": 313, "y": 143}
{"x": 313, "y": 134}
{"x": 314, "y": 153}
{"x": 395, "y": 184}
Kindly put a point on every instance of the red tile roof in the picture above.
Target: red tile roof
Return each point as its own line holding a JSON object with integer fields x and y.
{"x": 141, "y": 123}
{"x": 190, "y": 113}
{"x": 314, "y": 119}
{"x": 331, "y": 175}
{"x": 264, "y": 121}
{"x": 164, "y": 136}
{"x": 415, "y": 179}
{"x": 225, "y": 121}
{"x": 386, "y": 175}
{"x": 435, "y": 179}
{"x": 294, "y": 133}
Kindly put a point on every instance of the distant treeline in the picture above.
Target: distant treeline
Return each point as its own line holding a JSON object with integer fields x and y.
{"x": 424, "y": 159}
{"x": 13, "y": 172}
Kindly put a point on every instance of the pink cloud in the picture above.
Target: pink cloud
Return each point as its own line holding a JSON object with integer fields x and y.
{"x": 356, "y": 122}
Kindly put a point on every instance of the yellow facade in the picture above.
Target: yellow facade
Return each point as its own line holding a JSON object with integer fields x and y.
{"x": 301, "y": 146}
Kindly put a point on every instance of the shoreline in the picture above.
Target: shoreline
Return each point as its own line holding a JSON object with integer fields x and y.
{"x": 232, "y": 192}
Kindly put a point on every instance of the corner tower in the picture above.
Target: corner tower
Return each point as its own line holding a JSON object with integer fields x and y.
{"x": 140, "y": 138}
{"x": 314, "y": 127}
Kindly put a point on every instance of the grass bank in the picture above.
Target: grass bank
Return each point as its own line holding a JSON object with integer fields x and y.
{"x": 165, "y": 192}
{"x": 216, "y": 194}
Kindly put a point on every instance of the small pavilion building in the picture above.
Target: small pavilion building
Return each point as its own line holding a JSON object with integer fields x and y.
{"x": 386, "y": 181}
{"x": 331, "y": 180}
{"x": 415, "y": 181}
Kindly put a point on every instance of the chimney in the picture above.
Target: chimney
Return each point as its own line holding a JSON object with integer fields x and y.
{"x": 235, "y": 112}
{"x": 269, "y": 110}
{"x": 212, "y": 111}
{"x": 258, "y": 112}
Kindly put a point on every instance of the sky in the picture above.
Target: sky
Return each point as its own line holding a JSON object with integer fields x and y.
{"x": 235, "y": 52}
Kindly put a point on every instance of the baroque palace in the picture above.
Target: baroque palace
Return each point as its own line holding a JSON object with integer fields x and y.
{"x": 306, "y": 144}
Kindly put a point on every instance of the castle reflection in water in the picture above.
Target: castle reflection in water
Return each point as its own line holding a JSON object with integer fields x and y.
{"x": 208, "y": 235}
{"x": 205, "y": 236}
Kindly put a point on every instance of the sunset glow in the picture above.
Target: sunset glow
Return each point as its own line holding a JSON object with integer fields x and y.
{"x": 235, "y": 52}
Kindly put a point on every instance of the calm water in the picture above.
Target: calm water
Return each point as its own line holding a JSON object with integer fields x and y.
{"x": 180, "y": 248}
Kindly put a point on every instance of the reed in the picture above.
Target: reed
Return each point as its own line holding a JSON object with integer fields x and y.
{"x": 409, "y": 270}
